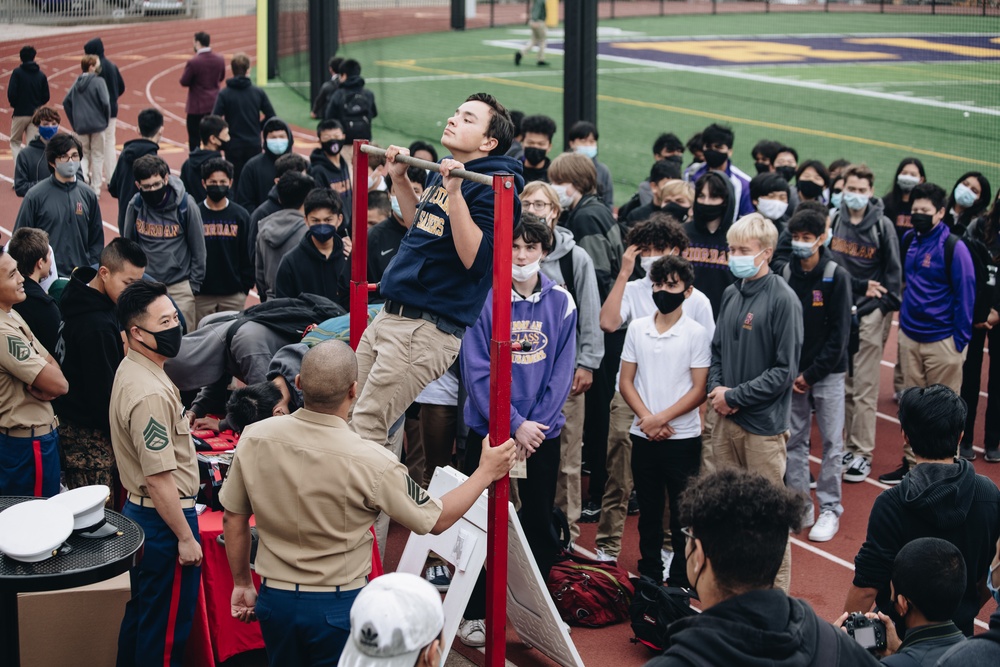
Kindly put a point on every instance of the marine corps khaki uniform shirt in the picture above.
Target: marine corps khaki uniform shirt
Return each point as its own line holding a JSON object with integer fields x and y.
{"x": 22, "y": 358}
{"x": 315, "y": 488}
{"x": 149, "y": 431}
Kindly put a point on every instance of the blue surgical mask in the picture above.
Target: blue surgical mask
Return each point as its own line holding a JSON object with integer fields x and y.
{"x": 589, "y": 151}
{"x": 395, "y": 207}
{"x": 829, "y": 237}
{"x": 964, "y": 196}
{"x": 743, "y": 266}
{"x": 277, "y": 146}
{"x": 46, "y": 132}
{"x": 836, "y": 198}
{"x": 855, "y": 201}
{"x": 803, "y": 250}
{"x": 989, "y": 584}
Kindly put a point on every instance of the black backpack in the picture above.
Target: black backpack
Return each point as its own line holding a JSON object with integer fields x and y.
{"x": 357, "y": 115}
{"x": 981, "y": 263}
{"x": 653, "y": 608}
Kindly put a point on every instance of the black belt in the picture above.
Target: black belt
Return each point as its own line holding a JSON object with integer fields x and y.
{"x": 443, "y": 324}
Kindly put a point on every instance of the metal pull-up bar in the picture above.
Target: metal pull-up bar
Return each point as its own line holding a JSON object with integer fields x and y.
{"x": 500, "y": 360}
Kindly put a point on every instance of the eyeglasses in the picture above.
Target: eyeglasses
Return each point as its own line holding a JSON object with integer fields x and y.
{"x": 686, "y": 530}
{"x": 151, "y": 187}
{"x": 537, "y": 205}
{"x": 74, "y": 156}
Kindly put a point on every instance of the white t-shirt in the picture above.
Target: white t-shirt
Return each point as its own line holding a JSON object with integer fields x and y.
{"x": 663, "y": 367}
{"x": 443, "y": 391}
{"x": 637, "y": 301}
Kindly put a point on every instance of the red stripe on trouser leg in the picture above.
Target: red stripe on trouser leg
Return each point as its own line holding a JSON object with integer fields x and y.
{"x": 175, "y": 596}
{"x": 36, "y": 446}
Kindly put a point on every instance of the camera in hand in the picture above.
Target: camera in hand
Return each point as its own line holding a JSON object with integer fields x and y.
{"x": 868, "y": 632}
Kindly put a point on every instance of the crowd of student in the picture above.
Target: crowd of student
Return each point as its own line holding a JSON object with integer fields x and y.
{"x": 694, "y": 329}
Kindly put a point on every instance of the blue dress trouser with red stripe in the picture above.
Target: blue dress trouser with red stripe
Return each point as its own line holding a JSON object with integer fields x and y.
{"x": 158, "y": 617}
{"x": 29, "y": 466}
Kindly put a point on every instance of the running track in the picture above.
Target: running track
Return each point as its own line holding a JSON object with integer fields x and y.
{"x": 151, "y": 58}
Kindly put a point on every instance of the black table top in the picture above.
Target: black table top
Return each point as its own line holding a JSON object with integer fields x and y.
{"x": 87, "y": 561}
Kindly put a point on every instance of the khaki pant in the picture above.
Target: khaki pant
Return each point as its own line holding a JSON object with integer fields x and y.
{"x": 568, "y": 491}
{"x": 861, "y": 406}
{"x": 734, "y": 446}
{"x": 206, "y": 304}
{"x": 614, "y": 505}
{"x": 110, "y": 148}
{"x": 184, "y": 300}
{"x": 925, "y": 364}
{"x": 539, "y": 32}
{"x": 92, "y": 166}
{"x": 20, "y": 126}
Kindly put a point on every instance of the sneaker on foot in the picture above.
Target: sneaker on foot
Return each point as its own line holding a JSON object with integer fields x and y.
{"x": 542, "y": 63}
{"x": 896, "y": 476}
{"x": 826, "y": 527}
{"x": 439, "y": 577}
{"x": 633, "y": 504}
{"x": 668, "y": 558}
{"x": 590, "y": 512}
{"x": 517, "y": 58}
{"x": 604, "y": 556}
{"x": 858, "y": 470}
{"x": 812, "y": 481}
{"x": 847, "y": 459}
{"x": 967, "y": 452}
{"x": 992, "y": 455}
{"x": 472, "y": 633}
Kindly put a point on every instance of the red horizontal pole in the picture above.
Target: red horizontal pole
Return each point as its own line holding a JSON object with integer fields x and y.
{"x": 359, "y": 249}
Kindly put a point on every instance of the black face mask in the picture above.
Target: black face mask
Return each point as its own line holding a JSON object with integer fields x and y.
{"x": 674, "y": 209}
{"x": 809, "y": 189}
{"x": 667, "y": 302}
{"x": 217, "y": 192}
{"x": 168, "y": 341}
{"x": 922, "y": 223}
{"x": 154, "y": 198}
{"x": 787, "y": 173}
{"x": 676, "y": 159}
{"x": 332, "y": 147}
{"x": 715, "y": 159}
{"x": 762, "y": 167}
{"x": 708, "y": 212}
{"x": 534, "y": 155}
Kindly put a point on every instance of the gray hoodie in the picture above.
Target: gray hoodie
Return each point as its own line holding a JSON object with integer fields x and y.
{"x": 869, "y": 251}
{"x": 278, "y": 234}
{"x": 755, "y": 352}
{"x": 589, "y": 337}
{"x": 87, "y": 104}
{"x": 174, "y": 244}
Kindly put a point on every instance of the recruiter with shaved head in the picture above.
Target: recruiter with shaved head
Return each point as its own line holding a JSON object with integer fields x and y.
{"x": 315, "y": 488}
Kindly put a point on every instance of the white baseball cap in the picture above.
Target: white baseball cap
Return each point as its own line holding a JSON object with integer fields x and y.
{"x": 392, "y": 620}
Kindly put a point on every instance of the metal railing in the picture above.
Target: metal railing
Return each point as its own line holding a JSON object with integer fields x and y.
{"x": 75, "y": 12}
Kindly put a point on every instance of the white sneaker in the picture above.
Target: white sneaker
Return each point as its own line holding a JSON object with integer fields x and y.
{"x": 826, "y": 527}
{"x": 858, "y": 470}
{"x": 472, "y": 633}
{"x": 668, "y": 558}
{"x": 846, "y": 460}
{"x": 604, "y": 557}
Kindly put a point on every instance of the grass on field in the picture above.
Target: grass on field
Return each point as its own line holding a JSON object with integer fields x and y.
{"x": 419, "y": 80}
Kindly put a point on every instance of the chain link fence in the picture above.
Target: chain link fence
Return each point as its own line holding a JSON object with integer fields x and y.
{"x": 75, "y": 12}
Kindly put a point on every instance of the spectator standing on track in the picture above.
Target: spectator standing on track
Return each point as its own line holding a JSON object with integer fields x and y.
{"x": 30, "y": 249}
{"x": 166, "y": 223}
{"x": 245, "y": 108}
{"x": 940, "y": 497}
{"x": 967, "y": 201}
{"x": 202, "y": 76}
{"x": 289, "y": 162}
{"x": 812, "y": 180}
{"x": 537, "y": 142}
{"x": 824, "y": 290}
{"x": 696, "y": 149}
{"x": 379, "y": 207}
{"x": 661, "y": 173}
{"x": 30, "y": 166}
{"x": 329, "y": 166}
{"x": 865, "y": 243}
{"x": 708, "y": 249}
{"x": 65, "y": 208}
{"x": 122, "y": 184}
{"x": 582, "y": 138}
{"x": 328, "y": 88}
{"x": 229, "y": 272}
{"x": 92, "y": 351}
{"x": 116, "y": 88}
{"x": 763, "y": 154}
{"x": 539, "y": 33}
{"x": 669, "y": 148}
{"x": 280, "y": 232}
{"x": 27, "y": 90}
{"x": 897, "y": 201}
{"x": 88, "y": 111}
{"x": 935, "y": 319}
{"x": 755, "y": 356}
{"x": 717, "y": 144}
{"x": 213, "y": 132}
{"x": 352, "y": 104}
{"x": 259, "y": 172}
{"x": 769, "y": 194}
{"x": 385, "y": 238}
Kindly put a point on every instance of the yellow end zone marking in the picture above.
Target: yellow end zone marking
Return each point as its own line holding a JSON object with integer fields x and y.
{"x": 737, "y": 51}
{"x": 925, "y": 45}
{"x": 699, "y": 114}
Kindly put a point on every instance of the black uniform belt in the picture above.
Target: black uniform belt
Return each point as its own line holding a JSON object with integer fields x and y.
{"x": 410, "y": 312}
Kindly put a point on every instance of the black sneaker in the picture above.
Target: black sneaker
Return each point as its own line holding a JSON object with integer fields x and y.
{"x": 633, "y": 504}
{"x": 542, "y": 63}
{"x": 992, "y": 455}
{"x": 590, "y": 513}
{"x": 517, "y": 58}
{"x": 967, "y": 452}
{"x": 896, "y": 476}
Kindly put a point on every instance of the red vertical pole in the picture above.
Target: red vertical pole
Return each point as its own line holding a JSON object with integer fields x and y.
{"x": 500, "y": 378}
{"x": 359, "y": 250}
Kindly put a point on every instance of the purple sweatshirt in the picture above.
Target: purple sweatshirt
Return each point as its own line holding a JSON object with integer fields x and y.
{"x": 541, "y": 376}
{"x": 935, "y": 305}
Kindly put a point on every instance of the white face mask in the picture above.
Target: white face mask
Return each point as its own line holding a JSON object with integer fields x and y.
{"x": 772, "y": 209}
{"x": 647, "y": 262}
{"x": 525, "y": 273}
{"x": 565, "y": 200}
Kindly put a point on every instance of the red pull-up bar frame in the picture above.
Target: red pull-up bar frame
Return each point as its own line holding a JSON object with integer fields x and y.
{"x": 500, "y": 362}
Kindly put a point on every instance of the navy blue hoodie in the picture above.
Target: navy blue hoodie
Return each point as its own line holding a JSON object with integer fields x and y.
{"x": 426, "y": 272}
{"x": 109, "y": 72}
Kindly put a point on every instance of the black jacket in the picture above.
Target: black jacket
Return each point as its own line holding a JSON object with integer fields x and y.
{"x": 596, "y": 231}
{"x": 708, "y": 253}
{"x": 241, "y": 103}
{"x": 383, "y": 242}
{"x": 191, "y": 172}
{"x": 271, "y": 205}
{"x": 305, "y": 270}
{"x": 328, "y": 175}
{"x": 122, "y": 185}
{"x": 30, "y": 167}
{"x": 259, "y": 173}
{"x": 93, "y": 349}
{"x": 947, "y": 501}
{"x": 228, "y": 269}
{"x": 536, "y": 173}
{"x": 109, "y": 72}
{"x": 764, "y": 628}
{"x": 325, "y": 91}
{"x": 344, "y": 92}
{"x": 41, "y": 313}
{"x": 28, "y": 89}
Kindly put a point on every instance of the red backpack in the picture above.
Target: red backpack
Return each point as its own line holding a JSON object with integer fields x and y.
{"x": 588, "y": 592}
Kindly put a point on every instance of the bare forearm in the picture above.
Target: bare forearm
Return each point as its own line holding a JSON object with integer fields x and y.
{"x": 457, "y": 502}
{"x": 611, "y": 311}
{"x": 860, "y": 599}
{"x": 688, "y": 402}
{"x": 632, "y": 399}
{"x": 163, "y": 491}
{"x": 236, "y": 528}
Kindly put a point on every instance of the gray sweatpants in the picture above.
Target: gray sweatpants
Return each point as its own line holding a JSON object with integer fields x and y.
{"x": 828, "y": 397}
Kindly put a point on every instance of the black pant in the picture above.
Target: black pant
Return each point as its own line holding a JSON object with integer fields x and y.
{"x": 667, "y": 464}
{"x": 239, "y": 155}
{"x": 597, "y": 414}
{"x": 538, "y": 496}
{"x": 971, "y": 380}
{"x": 194, "y": 133}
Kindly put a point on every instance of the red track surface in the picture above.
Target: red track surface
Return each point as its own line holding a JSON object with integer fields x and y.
{"x": 151, "y": 57}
